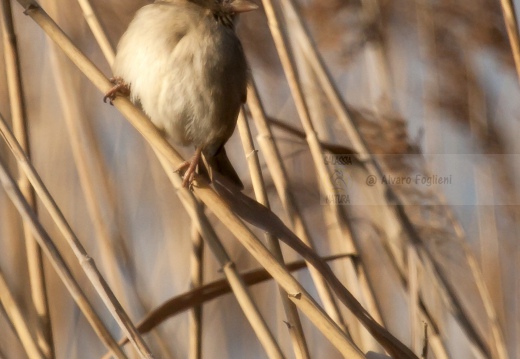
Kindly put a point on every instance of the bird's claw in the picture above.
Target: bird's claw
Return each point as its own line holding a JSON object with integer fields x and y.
{"x": 120, "y": 88}
{"x": 188, "y": 168}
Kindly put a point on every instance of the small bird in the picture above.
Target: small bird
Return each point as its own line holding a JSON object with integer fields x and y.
{"x": 182, "y": 62}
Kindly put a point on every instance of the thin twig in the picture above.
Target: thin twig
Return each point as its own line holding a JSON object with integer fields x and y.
{"x": 18, "y": 116}
{"x": 328, "y": 146}
{"x": 57, "y": 261}
{"x": 92, "y": 175}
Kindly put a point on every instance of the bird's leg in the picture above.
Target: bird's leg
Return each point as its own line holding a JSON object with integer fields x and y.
{"x": 188, "y": 167}
{"x": 120, "y": 88}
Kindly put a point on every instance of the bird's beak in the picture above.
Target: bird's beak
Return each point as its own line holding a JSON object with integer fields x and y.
{"x": 238, "y": 6}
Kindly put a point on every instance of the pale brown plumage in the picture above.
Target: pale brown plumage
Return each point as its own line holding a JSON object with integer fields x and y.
{"x": 186, "y": 68}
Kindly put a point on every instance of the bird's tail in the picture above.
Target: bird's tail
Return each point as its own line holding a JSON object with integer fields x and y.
{"x": 221, "y": 164}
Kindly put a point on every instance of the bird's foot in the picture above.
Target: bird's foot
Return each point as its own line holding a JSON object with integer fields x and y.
{"x": 187, "y": 168}
{"x": 120, "y": 88}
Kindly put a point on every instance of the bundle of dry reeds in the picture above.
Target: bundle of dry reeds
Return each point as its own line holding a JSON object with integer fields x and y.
{"x": 355, "y": 112}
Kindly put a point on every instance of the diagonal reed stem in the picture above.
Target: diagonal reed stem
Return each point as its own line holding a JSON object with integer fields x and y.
{"x": 97, "y": 30}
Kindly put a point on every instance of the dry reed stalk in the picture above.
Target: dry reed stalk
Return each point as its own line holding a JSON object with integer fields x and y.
{"x": 221, "y": 208}
{"x": 18, "y": 115}
{"x": 18, "y": 322}
{"x": 293, "y": 319}
{"x": 339, "y": 227}
{"x": 87, "y": 263}
{"x": 97, "y": 30}
{"x": 57, "y": 261}
{"x": 201, "y": 222}
{"x": 278, "y": 173}
{"x": 196, "y": 280}
{"x": 508, "y": 10}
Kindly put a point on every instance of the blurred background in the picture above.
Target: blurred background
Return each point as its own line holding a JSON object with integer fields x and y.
{"x": 426, "y": 88}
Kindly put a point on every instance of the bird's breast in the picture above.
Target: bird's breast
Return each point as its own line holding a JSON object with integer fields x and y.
{"x": 190, "y": 76}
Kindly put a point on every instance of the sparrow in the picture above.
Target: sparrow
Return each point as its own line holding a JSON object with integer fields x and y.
{"x": 183, "y": 64}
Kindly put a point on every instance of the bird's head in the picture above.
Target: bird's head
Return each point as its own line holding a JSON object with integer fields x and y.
{"x": 225, "y": 11}
{"x": 233, "y": 7}
{"x": 227, "y": 8}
